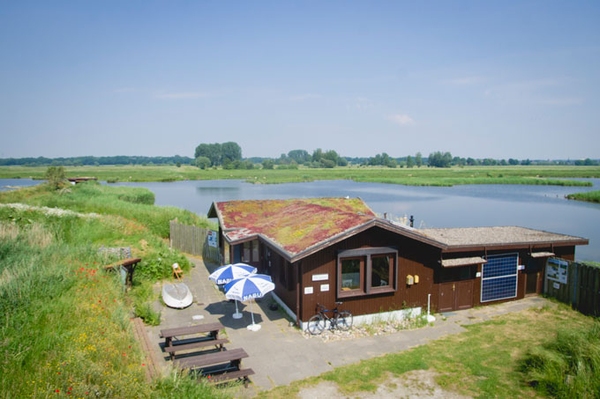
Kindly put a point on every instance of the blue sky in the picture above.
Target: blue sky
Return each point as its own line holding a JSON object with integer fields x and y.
{"x": 506, "y": 79}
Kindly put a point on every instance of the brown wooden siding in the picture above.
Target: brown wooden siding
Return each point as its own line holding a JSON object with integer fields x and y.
{"x": 285, "y": 289}
{"x": 325, "y": 263}
{"x": 318, "y": 272}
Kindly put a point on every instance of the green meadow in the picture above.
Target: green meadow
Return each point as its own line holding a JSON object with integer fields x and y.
{"x": 424, "y": 176}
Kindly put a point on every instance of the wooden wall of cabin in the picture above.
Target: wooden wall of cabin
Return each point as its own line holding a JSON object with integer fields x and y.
{"x": 320, "y": 282}
{"x": 283, "y": 275}
{"x": 318, "y": 276}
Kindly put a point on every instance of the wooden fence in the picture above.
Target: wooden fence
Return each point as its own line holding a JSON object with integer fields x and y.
{"x": 579, "y": 285}
{"x": 194, "y": 241}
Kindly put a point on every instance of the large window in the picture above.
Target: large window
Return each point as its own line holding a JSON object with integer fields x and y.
{"x": 367, "y": 271}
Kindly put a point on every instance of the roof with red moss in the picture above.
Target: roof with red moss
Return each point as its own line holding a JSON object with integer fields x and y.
{"x": 292, "y": 224}
{"x": 299, "y": 227}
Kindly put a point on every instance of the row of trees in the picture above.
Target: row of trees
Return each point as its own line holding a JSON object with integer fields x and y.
{"x": 229, "y": 156}
{"x": 97, "y": 161}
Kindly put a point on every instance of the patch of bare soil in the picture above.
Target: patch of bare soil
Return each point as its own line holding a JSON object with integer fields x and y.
{"x": 413, "y": 384}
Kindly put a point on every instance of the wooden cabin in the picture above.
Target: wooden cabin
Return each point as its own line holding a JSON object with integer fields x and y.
{"x": 323, "y": 250}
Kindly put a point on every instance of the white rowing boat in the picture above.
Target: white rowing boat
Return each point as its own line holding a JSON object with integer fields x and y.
{"x": 177, "y": 295}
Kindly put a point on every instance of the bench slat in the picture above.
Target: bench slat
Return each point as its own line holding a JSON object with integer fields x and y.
{"x": 196, "y": 329}
{"x": 193, "y": 345}
{"x": 209, "y": 359}
{"x": 231, "y": 375}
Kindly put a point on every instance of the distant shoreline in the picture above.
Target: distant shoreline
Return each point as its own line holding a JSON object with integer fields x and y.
{"x": 556, "y": 175}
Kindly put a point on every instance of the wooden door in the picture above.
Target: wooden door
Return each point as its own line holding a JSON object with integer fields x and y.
{"x": 455, "y": 296}
{"x": 446, "y": 297}
{"x": 464, "y": 294}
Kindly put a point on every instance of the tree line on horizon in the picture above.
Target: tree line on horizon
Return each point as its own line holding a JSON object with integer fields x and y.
{"x": 228, "y": 155}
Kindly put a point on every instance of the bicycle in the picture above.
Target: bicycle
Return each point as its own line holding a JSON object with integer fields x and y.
{"x": 341, "y": 319}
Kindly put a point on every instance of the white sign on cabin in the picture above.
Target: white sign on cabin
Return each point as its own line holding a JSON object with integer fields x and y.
{"x": 212, "y": 239}
{"x": 557, "y": 270}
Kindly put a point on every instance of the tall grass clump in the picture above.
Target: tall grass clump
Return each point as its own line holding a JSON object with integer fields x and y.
{"x": 135, "y": 203}
{"x": 65, "y": 325}
{"x": 590, "y": 196}
{"x": 568, "y": 366}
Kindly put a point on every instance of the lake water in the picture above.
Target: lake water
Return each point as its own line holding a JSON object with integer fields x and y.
{"x": 538, "y": 207}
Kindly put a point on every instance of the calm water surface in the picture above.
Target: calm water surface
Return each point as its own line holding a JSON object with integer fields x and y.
{"x": 539, "y": 207}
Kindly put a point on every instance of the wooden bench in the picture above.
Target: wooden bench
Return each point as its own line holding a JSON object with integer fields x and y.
{"x": 129, "y": 264}
{"x": 218, "y": 343}
{"x": 230, "y": 358}
{"x": 218, "y": 367}
{"x": 231, "y": 375}
{"x": 211, "y": 329}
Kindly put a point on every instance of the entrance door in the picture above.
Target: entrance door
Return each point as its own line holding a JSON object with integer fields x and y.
{"x": 455, "y": 296}
{"x": 533, "y": 273}
{"x": 531, "y": 287}
{"x": 464, "y": 294}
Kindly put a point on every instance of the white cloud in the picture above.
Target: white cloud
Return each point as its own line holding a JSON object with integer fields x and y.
{"x": 401, "y": 119}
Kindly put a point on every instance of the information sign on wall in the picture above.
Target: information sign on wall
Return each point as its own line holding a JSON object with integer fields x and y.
{"x": 557, "y": 270}
{"x": 212, "y": 238}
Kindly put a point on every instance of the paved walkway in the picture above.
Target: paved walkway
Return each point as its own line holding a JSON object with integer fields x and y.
{"x": 280, "y": 353}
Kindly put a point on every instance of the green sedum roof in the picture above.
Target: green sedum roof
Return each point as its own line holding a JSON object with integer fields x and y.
{"x": 292, "y": 224}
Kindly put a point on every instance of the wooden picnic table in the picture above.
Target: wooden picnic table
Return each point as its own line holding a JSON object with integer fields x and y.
{"x": 211, "y": 329}
{"x": 129, "y": 265}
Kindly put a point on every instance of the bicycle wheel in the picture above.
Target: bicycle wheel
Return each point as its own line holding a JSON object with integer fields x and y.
{"x": 316, "y": 324}
{"x": 344, "y": 320}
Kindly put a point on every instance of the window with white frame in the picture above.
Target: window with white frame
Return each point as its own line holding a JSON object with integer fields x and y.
{"x": 367, "y": 271}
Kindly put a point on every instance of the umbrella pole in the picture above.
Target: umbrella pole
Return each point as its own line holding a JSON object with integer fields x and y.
{"x": 253, "y": 327}
{"x": 237, "y": 314}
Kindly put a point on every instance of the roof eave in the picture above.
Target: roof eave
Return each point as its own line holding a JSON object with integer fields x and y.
{"x": 513, "y": 245}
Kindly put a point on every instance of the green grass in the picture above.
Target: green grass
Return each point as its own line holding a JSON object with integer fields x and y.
{"x": 64, "y": 324}
{"x": 136, "y": 203}
{"x": 64, "y": 321}
{"x": 591, "y": 196}
{"x": 485, "y": 361}
{"x": 546, "y": 175}
{"x": 567, "y": 366}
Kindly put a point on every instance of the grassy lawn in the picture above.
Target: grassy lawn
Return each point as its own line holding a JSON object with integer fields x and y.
{"x": 486, "y": 361}
{"x": 545, "y": 175}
